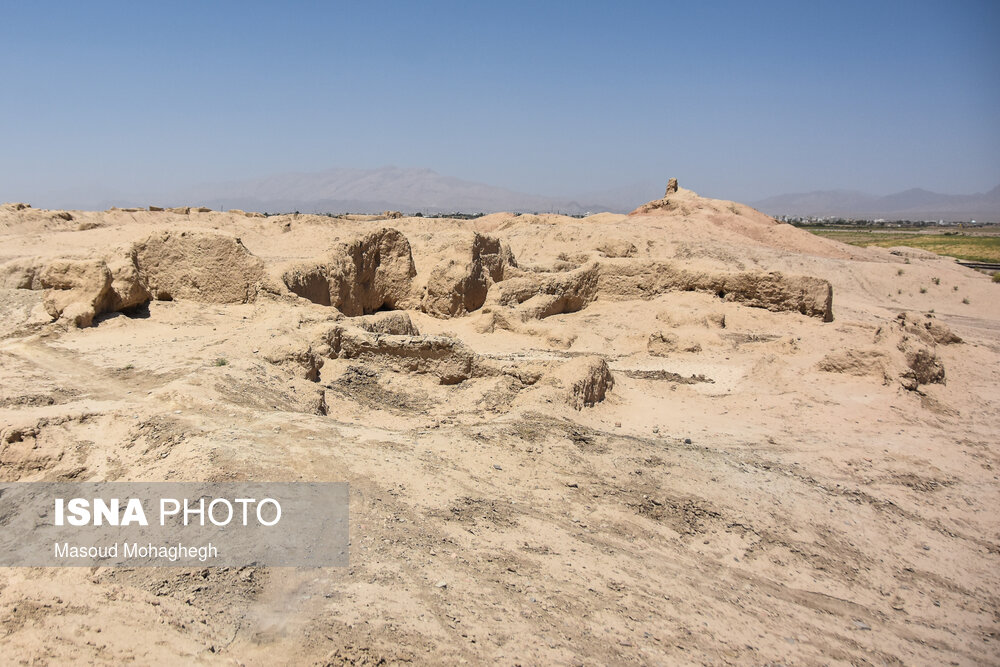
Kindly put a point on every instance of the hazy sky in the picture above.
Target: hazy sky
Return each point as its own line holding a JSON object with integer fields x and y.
{"x": 738, "y": 99}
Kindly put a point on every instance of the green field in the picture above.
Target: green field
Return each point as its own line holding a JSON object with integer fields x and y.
{"x": 969, "y": 247}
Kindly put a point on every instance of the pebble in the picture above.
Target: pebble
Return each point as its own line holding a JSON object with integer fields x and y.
{"x": 656, "y": 429}
{"x": 687, "y": 441}
{"x": 441, "y": 584}
{"x": 496, "y": 467}
{"x": 861, "y": 625}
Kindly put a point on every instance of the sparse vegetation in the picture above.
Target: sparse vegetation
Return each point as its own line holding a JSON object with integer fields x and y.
{"x": 965, "y": 300}
{"x": 899, "y": 272}
{"x": 936, "y": 281}
{"x": 220, "y": 362}
{"x": 964, "y": 246}
{"x": 996, "y": 277}
{"x": 923, "y": 290}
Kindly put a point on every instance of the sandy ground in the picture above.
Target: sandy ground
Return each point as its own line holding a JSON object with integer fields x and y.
{"x": 727, "y": 501}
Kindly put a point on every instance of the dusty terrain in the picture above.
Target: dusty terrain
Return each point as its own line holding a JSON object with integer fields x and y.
{"x": 690, "y": 435}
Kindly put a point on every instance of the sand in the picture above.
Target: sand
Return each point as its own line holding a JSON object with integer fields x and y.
{"x": 619, "y": 439}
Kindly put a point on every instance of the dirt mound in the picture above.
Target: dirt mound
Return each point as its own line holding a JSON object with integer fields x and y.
{"x": 587, "y": 381}
{"x": 905, "y": 350}
{"x": 927, "y": 329}
{"x": 369, "y": 274}
{"x": 772, "y": 290}
{"x": 663, "y": 343}
{"x": 706, "y": 318}
{"x": 617, "y": 248}
{"x": 540, "y": 295}
{"x": 505, "y": 499}
{"x": 397, "y": 323}
{"x": 860, "y": 362}
{"x": 446, "y": 358}
{"x": 295, "y": 353}
{"x": 464, "y": 268}
{"x": 78, "y": 289}
{"x": 198, "y": 266}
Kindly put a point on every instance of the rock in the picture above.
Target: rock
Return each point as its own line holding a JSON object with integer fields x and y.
{"x": 671, "y": 187}
{"x": 155, "y": 208}
{"x": 392, "y": 215}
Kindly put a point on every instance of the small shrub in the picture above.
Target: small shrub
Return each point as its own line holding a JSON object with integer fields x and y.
{"x": 996, "y": 277}
{"x": 965, "y": 300}
{"x": 220, "y": 362}
{"x": 955, "y": 288}
{"x": 923, "y": 290}
{"x": 936, "y": 281}
{"x": 899, "y": 272}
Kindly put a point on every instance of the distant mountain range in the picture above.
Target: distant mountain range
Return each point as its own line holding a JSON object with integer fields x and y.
{"x": 426, "y": 191}
{"x": 382, "y": 189}
{"x": 915, "y": 204}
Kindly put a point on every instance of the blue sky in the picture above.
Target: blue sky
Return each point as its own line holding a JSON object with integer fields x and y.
{"x": 739, "y": 100}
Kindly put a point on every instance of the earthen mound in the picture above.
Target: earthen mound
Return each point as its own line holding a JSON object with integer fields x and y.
{"x": 198, "y": 266}
{"x": 396, "y": 323}
{"x": 905, "y": 350}
{"x": 587, "y": 381}
{"x": 446, "y": 358}
{"x": 465, "y": 269}
{"x": 369, "y": 274}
